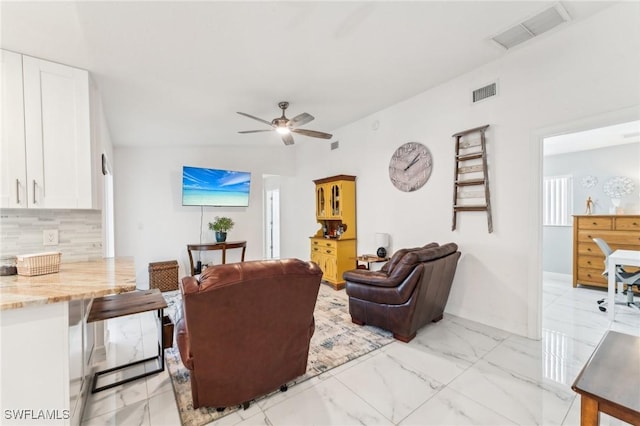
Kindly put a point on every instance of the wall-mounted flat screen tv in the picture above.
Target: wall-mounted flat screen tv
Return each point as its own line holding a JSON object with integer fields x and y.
{"x": 215, "y": 187}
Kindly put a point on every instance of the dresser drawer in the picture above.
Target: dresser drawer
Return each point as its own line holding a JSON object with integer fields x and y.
{"x": 611, "y": 237}
{"x": 318, "y": 242}
{"x": 591, "y": 276}
{"x": 595, "y": 222}
{"x": 589, "y": 249}
{"x": 328, "y": 251}
{"x": 324, "y": 250}
{"x": 628, "y": 224}
{"x": 591, "y": 262}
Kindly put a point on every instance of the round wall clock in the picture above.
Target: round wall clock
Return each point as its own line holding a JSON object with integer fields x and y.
{"x": 410, "y": 166}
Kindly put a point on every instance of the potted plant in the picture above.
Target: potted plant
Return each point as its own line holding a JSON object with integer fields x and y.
{"x": 221, "y": 225}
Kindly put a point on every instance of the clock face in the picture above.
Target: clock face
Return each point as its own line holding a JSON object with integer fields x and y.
{"x": 410, "y": 166}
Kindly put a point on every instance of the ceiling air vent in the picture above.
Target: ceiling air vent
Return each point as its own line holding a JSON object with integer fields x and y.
{"x": 335, "y": 145}
{"x": 534, "y": 26}
{"x": 484, "y": 92}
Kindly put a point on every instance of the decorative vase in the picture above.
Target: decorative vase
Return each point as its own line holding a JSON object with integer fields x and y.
{"x": 221, "y": 236}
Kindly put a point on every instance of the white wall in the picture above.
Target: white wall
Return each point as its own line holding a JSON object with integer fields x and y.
{"x": 151, "y": 223}
{"x": 587, "y": 69}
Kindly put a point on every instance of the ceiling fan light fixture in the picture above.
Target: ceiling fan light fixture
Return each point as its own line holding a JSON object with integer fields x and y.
{"x": 286, "y": 127}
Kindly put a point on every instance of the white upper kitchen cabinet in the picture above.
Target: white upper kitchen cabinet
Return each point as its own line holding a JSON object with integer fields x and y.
{"x": 51, "y": 160}
{"x": 12, "y": 153}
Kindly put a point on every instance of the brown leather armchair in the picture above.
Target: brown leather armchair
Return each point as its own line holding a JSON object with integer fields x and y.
{"x": 245, "y": 328}
{"x": 409, "y": 291}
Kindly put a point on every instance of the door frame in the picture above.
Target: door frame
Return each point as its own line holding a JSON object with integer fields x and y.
{"x": 536, "y": 151}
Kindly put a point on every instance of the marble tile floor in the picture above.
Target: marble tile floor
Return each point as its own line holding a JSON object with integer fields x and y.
{"x": 455, "y": 372}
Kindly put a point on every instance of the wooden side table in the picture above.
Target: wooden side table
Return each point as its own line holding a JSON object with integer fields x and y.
{"x": 609, "y": 382}
{"x": 216, "y": 246}
{"x": 368, "y": 260}
{"x": 118, "y": 305}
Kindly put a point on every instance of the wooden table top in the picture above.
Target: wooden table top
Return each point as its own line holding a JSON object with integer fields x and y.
{"x": 217, "y": 246}
{"x": 133, "y": 302}
{"x": 612, "y": 374}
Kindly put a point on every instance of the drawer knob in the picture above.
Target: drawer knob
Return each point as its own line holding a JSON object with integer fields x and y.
{"x": 594, "y": 223}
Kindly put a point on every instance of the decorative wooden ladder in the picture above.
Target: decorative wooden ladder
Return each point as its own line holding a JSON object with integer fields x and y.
{"x": 472, "y": 152}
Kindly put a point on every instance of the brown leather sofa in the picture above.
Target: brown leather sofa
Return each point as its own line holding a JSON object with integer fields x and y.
{"x": 409, "y": 291}
{"x": 245, "y": 328}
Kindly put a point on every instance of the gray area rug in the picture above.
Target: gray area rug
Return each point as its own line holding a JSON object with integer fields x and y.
{"x": 336, "y": 340}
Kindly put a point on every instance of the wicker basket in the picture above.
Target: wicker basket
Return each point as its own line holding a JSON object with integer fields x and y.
{"x": 164, "y": 275}
{"x": 38, "y": 264}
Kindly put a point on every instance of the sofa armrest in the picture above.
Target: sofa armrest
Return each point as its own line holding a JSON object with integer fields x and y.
{"x": 182, "y": 339}
{"x": 390, "y": 295}
{"x": 374, "y": 278}
{"x": 189, "y": 284}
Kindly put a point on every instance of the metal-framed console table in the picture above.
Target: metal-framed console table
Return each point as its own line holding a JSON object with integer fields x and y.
{"x": 216, "y": 246}
{"x": 118, "y": 305}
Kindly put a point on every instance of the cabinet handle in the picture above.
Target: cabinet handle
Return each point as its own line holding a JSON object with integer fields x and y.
{"x": 328, "y": 251}
{"x": 594, "y": 223}
{"x": 34, "y": 192}
{"x": 17, "y": 191}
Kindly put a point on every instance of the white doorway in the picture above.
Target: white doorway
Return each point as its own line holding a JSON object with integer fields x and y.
{"x": 536, "y": 268}
{"x": 271, "y": 217}
{"x": 588, "y": 159}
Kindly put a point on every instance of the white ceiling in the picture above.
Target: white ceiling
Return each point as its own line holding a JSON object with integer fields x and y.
{"x": 174, "y": 73}
{"x": 619, "y": 134}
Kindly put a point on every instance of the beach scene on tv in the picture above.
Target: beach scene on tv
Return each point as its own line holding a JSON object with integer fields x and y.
{"x": 214, "y": 187}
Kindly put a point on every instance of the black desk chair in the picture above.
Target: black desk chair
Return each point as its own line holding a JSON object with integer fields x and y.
{"x": 625, "y": 277}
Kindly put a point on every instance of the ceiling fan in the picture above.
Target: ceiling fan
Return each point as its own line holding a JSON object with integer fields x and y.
{"x": 285, "y": 126}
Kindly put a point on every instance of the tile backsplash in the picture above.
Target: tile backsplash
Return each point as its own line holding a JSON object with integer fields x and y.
{"x": 79, "y": 232}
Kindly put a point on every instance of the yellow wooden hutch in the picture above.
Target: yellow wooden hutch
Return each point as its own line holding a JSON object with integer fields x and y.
{"x": 333, "y": 247}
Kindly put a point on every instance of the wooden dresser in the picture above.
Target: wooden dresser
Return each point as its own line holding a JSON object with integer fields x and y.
{"x": 333, "y": 247}
{"x": 619, "y": 231}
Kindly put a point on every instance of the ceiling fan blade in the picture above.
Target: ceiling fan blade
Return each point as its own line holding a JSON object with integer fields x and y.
{"x": 268, "y": 123}
{"x": 255, "y": 131}
{"x": 313, "y": 133}
{"x": 300, "y": 119}
{"x": 287, "y": 139}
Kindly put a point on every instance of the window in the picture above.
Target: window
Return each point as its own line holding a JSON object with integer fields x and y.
{"x": 557, "y": 200}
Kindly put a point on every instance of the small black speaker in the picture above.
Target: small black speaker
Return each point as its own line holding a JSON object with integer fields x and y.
{"x": 382, "y": 252}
